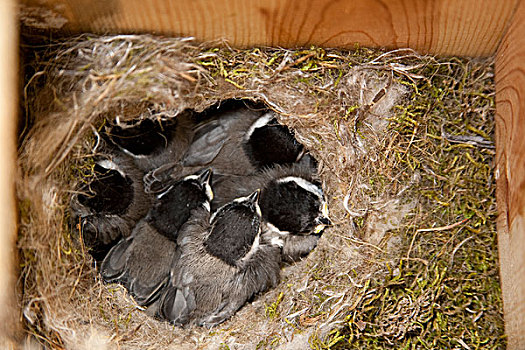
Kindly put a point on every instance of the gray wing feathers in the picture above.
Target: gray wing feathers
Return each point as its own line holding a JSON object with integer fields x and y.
{"x": 113, "y": 267}
{"x": 208, "y": 142}
{"x": 141, "y": 263}
{"x": 145, "y": 292}
{"x": 256, "y": 275}
{"x": 178, "y": 305}
{"x": 178, "y": 300}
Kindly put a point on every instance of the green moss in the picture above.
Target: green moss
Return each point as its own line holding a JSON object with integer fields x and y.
{"x": 441, "y": 290}
{"x": 445, "y": 292}
{"x": 271, "y": 310}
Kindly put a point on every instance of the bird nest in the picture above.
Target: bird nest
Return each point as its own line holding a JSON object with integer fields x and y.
{"x": 353, "y": 111}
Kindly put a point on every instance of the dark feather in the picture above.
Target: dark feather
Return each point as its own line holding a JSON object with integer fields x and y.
{"x": 152, "y": 250}
{"x": 113, "y": 267}
{"x": 109, "y": 206}
{"x": 272, "y": 144}
{"x": 232, "y": 233}
{"x": 286, "y": 206}
{"x": 209, "y": 288}
{"x": 153, "y": 143}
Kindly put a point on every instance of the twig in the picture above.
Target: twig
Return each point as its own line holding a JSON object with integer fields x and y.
{"x": 443, "y": 228}
{"x": 457, "y": 248}
{"x": 360, "y": 242}
{"x": 297, "y": 61}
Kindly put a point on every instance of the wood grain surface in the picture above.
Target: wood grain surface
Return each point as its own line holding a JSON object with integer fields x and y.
{"x": 449, "y": 27}
{"x": 510, "y": 174}
{"x": 9, "y": 315}
{"x": 446, "y": 27}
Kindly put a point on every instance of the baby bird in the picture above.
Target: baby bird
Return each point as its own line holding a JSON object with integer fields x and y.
{"x": 109, "y": 206}
{"x": 215, "y": 143}
{"x": 267, "y": 143}
{"x": 292, "y": 202}
{"x": 233, "y": 140}
{"x": 153, "y": 143}
{"x": 218, "y": 141}
{"x": 222, "y": 264}
{"x": 141, "y": 263}
{"x": 236, "y": 142}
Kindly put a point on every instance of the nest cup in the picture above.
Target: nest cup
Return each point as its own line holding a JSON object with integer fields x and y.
{"x": 339, "y": 106}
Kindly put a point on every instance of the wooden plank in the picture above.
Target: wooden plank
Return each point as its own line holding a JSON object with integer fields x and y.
{"x": 9, "y": 315}
{"x": 454, "y": 27}
{"x": 510, "y": 174}
{"x": 450, "y": 27}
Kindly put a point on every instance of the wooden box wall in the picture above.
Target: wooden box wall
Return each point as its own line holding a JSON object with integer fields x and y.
{"x": 442, "y": 27}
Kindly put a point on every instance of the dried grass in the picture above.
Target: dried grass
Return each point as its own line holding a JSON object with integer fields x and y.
{"x": 342, "y": 106}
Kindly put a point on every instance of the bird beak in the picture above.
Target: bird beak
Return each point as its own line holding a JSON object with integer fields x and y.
{"x": 254, "y": 197}
{"x": 322, "y": 222}
{"x": 205, "y": 179}
{"x": 324, "y": 210}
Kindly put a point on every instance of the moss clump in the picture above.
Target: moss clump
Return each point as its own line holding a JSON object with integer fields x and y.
{"x": 404, "y": 147}
{"x": 443, "y": 290}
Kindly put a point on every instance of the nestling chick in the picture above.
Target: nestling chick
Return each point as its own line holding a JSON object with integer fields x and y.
{"x": 153, "y": 143}
{"x": 108, "y": 207}
{"x": 233, "y": 141}
{"x": 267, "y": 143}
{"x": 142, "y": 262}
{"x": 222, "y": 264}
{"x": 216, "y": 143}
{"x": 292, "y": 203}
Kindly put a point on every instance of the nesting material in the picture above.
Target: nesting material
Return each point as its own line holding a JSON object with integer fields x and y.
{"x": 341, "y": 106}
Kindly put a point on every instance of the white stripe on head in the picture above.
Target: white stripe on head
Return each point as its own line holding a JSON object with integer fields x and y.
{"x": 307, "y": 185}
{"x": 214, "y": 214}
{"x": 240, "y": 199}
{"x": 110, "y": 165}
{"x": 208, "y": 189}
{"x": 191, "y": 177}
{"x": 236, "y": 200}
{"x": 159, "y": 196}
{"x": 245, "y": 199}
{"x": 254, "y": 247}
{"x": 212, "y": 217}
{"x": 139, "y": 156}
{"x": 262, "y": 121}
